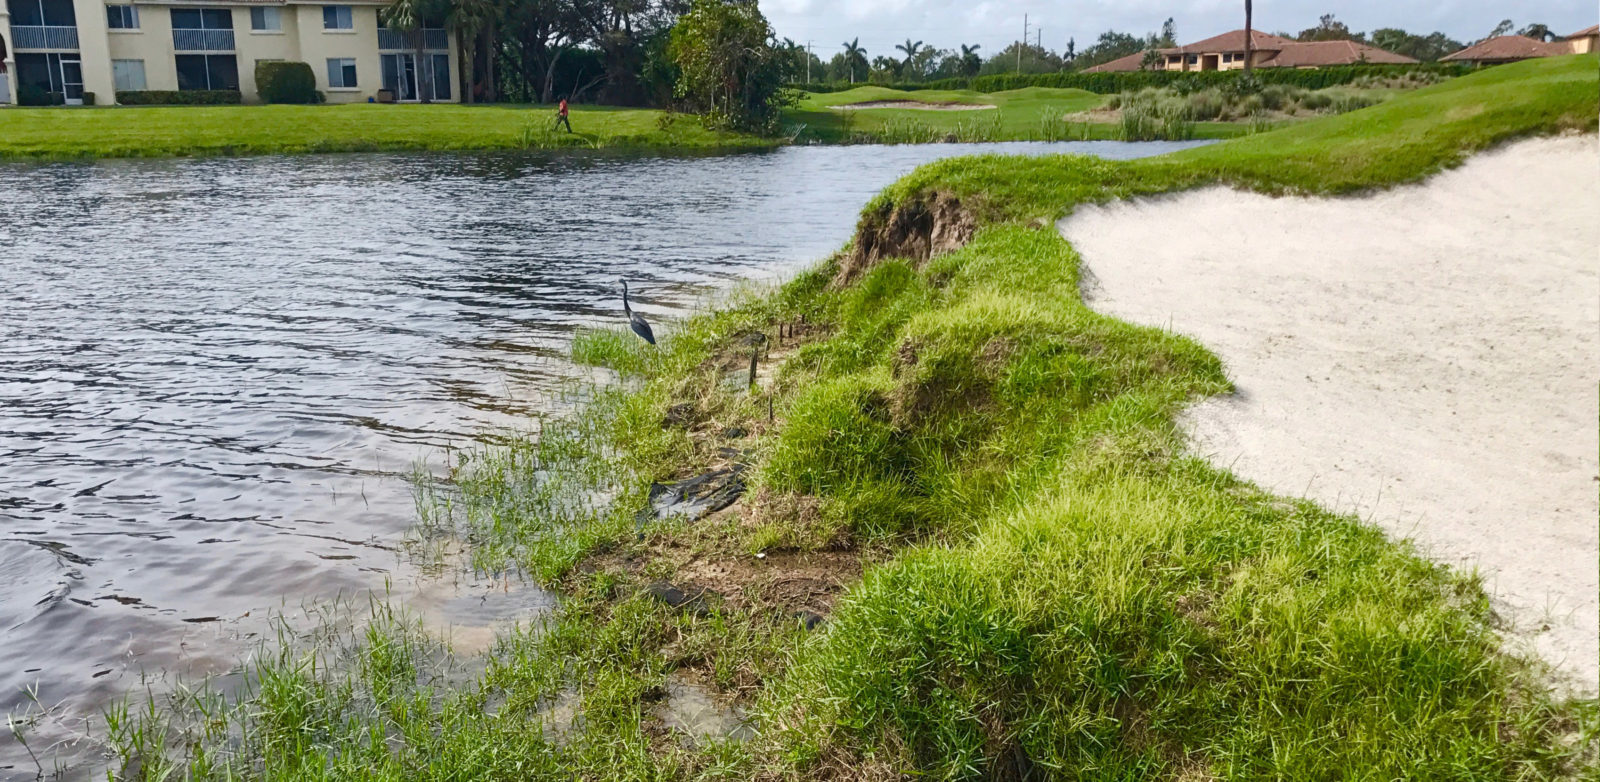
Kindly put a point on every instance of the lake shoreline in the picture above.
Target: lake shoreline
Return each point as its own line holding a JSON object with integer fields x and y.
{"x": 1049, "y": 579}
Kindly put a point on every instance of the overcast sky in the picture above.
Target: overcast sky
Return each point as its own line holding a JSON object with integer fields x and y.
{"x": 880, "y": 24}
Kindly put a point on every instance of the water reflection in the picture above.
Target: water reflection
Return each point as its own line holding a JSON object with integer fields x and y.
{"x": 215, "y": 374}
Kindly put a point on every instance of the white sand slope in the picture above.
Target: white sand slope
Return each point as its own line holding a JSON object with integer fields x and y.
{"x": 1427, "y": 357}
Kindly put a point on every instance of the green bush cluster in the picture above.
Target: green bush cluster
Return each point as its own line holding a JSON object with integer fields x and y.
{"x": 31, "y": 95}
{"x": 1151, "y": 109}
{"x": 178, "y": 97}
{"x": 1111, "y": 83}
{"x": 287, "y": 82}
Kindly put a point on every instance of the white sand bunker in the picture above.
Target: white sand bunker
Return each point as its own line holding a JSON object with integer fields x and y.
{"x": 1425, "y": 357}
{"x": 913, "y": 104}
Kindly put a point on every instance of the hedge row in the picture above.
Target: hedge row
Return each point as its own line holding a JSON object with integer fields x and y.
{"x": 178, "y": 97}
{"x": 1111, "y": 83}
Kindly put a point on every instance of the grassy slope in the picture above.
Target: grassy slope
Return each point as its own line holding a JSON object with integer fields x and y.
{"x": 1028, "y": 114}
{"x": 159, "y": 131}
{"x": 1057, "y": 588}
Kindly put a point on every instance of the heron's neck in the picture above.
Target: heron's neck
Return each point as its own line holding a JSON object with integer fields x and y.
{"x": 625, "y": 307}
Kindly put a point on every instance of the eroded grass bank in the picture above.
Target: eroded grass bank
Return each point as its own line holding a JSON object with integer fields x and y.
{"x": 977, "y": 481}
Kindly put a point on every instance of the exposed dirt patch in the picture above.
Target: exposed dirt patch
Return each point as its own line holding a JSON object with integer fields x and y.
{"x": 914, "y": 104}
{"x": 917, "y": 230}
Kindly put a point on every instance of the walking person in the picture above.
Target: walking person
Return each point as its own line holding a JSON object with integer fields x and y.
{"x": 561, "y": 115}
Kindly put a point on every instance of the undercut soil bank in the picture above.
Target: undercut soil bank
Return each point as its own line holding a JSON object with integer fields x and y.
{"x": 1424, "y": 358}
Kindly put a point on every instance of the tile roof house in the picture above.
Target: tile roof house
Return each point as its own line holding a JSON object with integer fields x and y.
{"x": 1226, "y": 52}
{"x": 1585, "y": 41}
{"x": 1508, "y": 48}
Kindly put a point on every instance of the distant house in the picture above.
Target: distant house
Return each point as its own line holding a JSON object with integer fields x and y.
{"x": 1508, "y": 48}
{"x": 1585, "y": 41}
{"x": 1226, "y": 52}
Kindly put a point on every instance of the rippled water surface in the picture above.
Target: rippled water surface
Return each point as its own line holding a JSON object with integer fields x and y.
{"x": 216, "y": 375}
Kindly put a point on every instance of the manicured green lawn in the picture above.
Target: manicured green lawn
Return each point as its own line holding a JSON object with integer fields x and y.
{"x": 162, "y": 131}
{"x": 1040, "y": 581}
{"x": 159, "y": 131}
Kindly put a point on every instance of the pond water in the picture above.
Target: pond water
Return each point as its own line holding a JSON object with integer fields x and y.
{"x": 216, "y": 376}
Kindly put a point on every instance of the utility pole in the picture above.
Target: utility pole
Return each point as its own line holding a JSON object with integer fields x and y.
{"x": 1023, "y": 42}
{"x": 808, "y": 62}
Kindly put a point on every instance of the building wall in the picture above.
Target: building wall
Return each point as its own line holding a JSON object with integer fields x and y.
{"x": 94, "y": 48}
{"x": 359, "y": 43}
{"x": 253, "y": 46}
{"x": 10, "y": 59}
{"x": 301, "y": 39}
{"x": 1586, "y": 44}
{"x": 1261, "y": 58}
{"x": 152, "y": 43}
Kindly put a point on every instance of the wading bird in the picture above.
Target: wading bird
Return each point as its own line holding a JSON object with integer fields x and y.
{"x": 636, "y": 321}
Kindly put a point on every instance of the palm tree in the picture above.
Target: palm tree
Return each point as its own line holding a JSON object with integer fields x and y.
{"x": 853, "y": 54}
{"x": 407, "y": 17}
{"x": 471, "y": 19}
{"x": 1249, "y": 48}
{"x": 971, "y": 63}
{"x": 911, "y": 49}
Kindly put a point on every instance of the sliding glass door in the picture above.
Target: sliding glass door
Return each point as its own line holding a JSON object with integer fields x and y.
{"x": 402, "y": 77}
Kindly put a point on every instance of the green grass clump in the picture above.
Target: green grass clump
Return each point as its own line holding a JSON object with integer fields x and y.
{"x": 1029, "y": 114}
{"x": 1053, "y": 587}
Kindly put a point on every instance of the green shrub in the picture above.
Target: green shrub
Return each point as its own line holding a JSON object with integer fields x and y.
{"x": 1278, "y": 96}
{"x": 286, "y": 82}
{"x": 1346, "y": 103}
{"x": 31, "y": 95}
{"x": 1206, "y": 105}
{"x": 178, "y": 97}
{"x": 1316, "y": 101}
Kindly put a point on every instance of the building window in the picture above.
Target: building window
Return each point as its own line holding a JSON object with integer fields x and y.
{"x": 202, "y": 19}
{"x": 128, "y": 74}
{"x": 341, "y": 72}
{"x": 207, "y": 72}
{"x": 1194, "y": 59}
{"x": 122, "y": 17}
{"x": 48, "y": 13}
{"x": 266, "y": 18}
{"x": 337, "y": 17}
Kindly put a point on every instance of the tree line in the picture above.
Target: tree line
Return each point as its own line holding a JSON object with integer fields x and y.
{"x": 914, "y": 61}
{"x": 721, "y": 58}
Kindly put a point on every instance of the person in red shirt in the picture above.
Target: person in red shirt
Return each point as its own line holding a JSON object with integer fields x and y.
{"x": 561, "y": 115}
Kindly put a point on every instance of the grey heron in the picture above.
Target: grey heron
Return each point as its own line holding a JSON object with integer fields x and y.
{"x": 635, "y": 320}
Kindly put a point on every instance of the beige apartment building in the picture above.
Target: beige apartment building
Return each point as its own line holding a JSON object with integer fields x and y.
{"x": 74, "y": 47}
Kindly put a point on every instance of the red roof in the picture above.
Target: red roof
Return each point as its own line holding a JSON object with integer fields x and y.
{"x": 1506, "y": 48}
{"x": 1234, "y": 42}
{"x": 1282, "y": 52}
{"x": 1129, "y": 63}
{"x": 1315, "y": 54}
{"x": 1586, "y": 32}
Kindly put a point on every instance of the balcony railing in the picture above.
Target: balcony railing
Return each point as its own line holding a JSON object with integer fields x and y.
{"x": 202, "y": 40}
{"x": 391, "y": 41}
{"x": 26, "y": 36}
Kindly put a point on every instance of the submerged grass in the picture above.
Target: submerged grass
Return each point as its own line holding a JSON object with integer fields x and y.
{"x": 1052, "y": 587}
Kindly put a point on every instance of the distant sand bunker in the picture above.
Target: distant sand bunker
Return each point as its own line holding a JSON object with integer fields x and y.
{"x": 1423, "y": 357}
{"x": 913, "y": 104}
